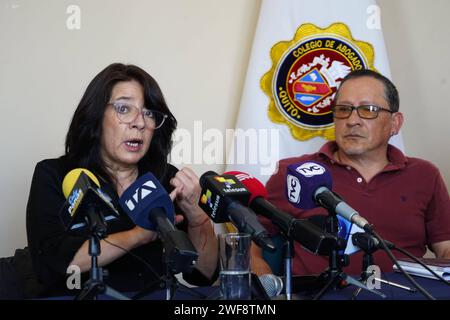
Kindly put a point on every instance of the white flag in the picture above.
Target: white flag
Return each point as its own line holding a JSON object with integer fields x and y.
{"x": 301, "y": 51}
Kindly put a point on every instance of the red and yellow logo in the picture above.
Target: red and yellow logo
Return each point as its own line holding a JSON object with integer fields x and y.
{"x": 306, "y": 73}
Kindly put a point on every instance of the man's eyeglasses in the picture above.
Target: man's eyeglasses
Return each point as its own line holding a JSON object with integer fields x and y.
{"x": 341, "y": 111}
{"x": 127, "y": 113}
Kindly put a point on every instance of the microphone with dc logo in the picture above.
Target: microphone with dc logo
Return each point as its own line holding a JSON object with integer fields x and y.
{"x": 309, "y": 184}
{"x": 149, "y": 206}
{"x": 222, "y": 199}
{"x": 86, "y": 203}
{"x": 306, "y": 233}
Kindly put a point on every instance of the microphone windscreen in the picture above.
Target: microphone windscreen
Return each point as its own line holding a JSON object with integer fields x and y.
{"x": 272, "y": 284}
{"x": 253, "y": 185}
{"x": 71, "y": 178}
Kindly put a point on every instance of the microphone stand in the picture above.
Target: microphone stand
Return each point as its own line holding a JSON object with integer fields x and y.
{"x": 95, "y": 285}
{"x": 369, "y": 247}
{"x": 288, "y": 249}
{"x": 179, "y": 256}
{"x": 366, "y": 263}
{"x": 334, "y": 277}
{"x": 168, "y": 282}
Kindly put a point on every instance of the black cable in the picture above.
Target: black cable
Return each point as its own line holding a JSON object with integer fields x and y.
{"x": 439, "y": 277}
{"x": 156, "y": 274}
{"x": 137, "y": 258}
{"x": 394, "y": 260}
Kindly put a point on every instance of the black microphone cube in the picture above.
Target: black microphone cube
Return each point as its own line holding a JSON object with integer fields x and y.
{"x": 217, "y": 191}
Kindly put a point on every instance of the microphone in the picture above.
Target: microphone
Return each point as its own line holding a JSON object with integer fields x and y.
{"x": 310, "y": 236}
{"x": 149, "y": 206}
{"x": 272, "y": 284}
{"x": 309, "y": 184}
{"x": 222, "y": 198}
{"x": 86, "y": 203}
{"x": 369, "y": 243}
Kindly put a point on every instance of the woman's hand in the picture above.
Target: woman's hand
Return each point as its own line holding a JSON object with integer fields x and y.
{"x": 200, "y": 229}
{"x": 187, "y": 193}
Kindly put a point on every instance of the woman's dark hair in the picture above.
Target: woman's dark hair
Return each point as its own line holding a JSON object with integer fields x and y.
{"x": 390, "y": 91}
{"x": 84, "y": 136}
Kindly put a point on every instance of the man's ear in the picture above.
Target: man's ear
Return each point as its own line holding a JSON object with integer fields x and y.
{"x": 397, "y": 123}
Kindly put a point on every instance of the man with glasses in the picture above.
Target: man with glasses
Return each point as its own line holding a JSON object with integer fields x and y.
{"x": 404, "y": 198}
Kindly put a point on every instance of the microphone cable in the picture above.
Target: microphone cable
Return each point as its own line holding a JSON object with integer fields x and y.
{"x": 153, "y": 271}
{"x": 394, "y": 260}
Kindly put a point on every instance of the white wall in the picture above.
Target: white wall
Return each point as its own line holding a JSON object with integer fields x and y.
{"x": 416, "y": 33}
{"x": 198, "y": 51}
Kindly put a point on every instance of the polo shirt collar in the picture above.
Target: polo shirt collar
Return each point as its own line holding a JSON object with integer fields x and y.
{"x": 397, "y": 160}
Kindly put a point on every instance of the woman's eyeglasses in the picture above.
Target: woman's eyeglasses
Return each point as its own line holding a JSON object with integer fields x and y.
{"x": 128, "y": 113}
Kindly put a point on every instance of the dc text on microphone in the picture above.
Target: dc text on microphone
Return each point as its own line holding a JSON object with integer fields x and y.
{"x": 309, "y": 184}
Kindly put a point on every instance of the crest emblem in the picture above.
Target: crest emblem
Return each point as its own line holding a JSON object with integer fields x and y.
{"x": 306, "y": 73}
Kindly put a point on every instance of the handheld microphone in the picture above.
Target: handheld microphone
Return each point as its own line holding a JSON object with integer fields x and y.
{"x": 86, "y": 203}
{"x": 222, "y": 198}
{"x": 309, "y": 184}
{"x": 310, "y": 236}
{"x": 148, "y": 204}
{"x": 266, "y": 286}
{"x": 272, "y": 284}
